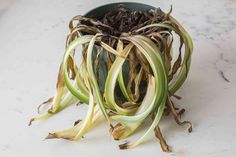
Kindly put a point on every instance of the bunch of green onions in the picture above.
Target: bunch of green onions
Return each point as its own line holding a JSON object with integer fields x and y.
{"x": 128, "y": 79}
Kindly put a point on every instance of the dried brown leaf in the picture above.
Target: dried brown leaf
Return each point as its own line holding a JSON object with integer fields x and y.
{"x": 164, "y": 146}
{"x": 44, "y": 103}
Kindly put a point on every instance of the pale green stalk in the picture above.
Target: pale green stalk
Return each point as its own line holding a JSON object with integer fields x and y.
{"x": 181, "y": 77}
{"x": 80, "y": 84}
{"x": 70, "y": 99}
{"x": 130, "y": 127}
{"x": 120, "y": 76}
{"x": 111, "y": 81}
{"x": 160, "y": 78}
{"x": 57, "y": 99}
{"x": 93, "y": 79}
{"x": 150, "y": 129}
{"x": 88, "y": 120}
{"x": 111, "y": 50}
{"x": 77, "y": 93}
{"x": 71, "y": 133}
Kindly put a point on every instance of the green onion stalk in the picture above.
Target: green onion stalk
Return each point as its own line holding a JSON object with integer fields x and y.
{"x": 126, "y": 74}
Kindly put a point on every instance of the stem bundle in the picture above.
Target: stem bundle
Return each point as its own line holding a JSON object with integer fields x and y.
{"x": 127, "y": 73}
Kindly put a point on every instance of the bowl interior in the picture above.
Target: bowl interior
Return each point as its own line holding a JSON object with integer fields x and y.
{"x": 100, "y": 11}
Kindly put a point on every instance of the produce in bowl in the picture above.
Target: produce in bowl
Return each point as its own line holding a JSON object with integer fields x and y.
{"x": 126, "y": 72}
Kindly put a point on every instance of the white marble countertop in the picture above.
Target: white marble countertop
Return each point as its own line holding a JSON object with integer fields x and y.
{"x": 32, "y": 35}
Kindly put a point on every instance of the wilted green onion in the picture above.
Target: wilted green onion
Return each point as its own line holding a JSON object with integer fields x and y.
{"x": 128, "y": 77}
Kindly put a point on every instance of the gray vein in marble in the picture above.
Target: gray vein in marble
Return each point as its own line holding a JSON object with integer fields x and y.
{"x": 17, "y": 110}
{"x": 223, "y": 76}
{"x": 5, "y": 5}
{"x": 5, "y": 147}
{"x": 230, "y": 61}
{"x": 220, "y": 69}
{"x": 218, "y": 23}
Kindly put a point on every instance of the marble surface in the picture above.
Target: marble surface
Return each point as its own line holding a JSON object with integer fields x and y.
{"x": 32, "y": 35}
